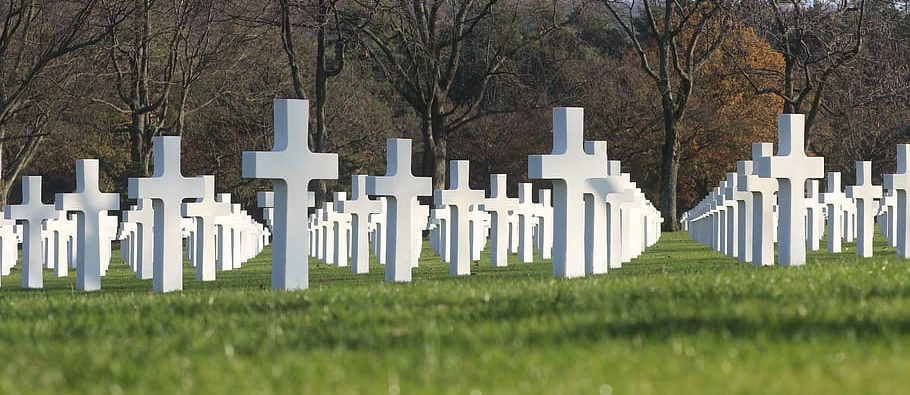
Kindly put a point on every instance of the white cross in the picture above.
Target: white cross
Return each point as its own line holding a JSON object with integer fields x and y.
{"x": 525, "y": 212}
{"x": 60, "y": 230}
{"x": 615, "y": 201}
{"x": 762, "y": 190}
{"x": 543, "y": 210}
{"x": 835, "y": 199}
{"x": 143, "y": 215}
{"x": 814, "y": 218}
{"x": 598, "y": 224}
{"x": 900, "y": 183}
{"x": 459, "y": 198}
{"x": 401, "y": 189}
{"x": 205, "y": 211}
{"x": 291, "y": 166}
{"x": 792, "y": 168}
{"x": 865, "y": 194}
{"x": 732, "y": 216}
{"x": 360, "y": 206}
{"x": 32, "y": 212}
{"x": 744, "y": 211}
{"x": 498, "y": 205}
{"x": 338, "y": 223}
{"x": 90, "y": 204}
{"x": 266, "y": 201}
{"x": 167, "y": 188}
{"x": 568, "y": 166}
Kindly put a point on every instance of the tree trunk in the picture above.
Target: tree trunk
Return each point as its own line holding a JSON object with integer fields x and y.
{"x": 435, "y": 149}
{"x": 320, "y": 135}
{"x": 669, "y": 168}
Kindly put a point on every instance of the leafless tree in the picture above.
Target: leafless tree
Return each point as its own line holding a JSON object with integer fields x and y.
{"x": 36, "y": 40}
{"x": 677, "y": 41}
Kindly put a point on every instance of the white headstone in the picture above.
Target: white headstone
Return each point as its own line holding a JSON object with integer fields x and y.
{"x": 206, "y": 210}
{"x": 834, "y": 199}
{"x": 90, "y": 204}
{"x": 32, "y": 213}
{"x": 167, "y": 188}
{"x": 864, "y": 193}
{"x": 401, "y": 188}
{"x": 569, "y": 167}
{"x": 762, "y": 189}
{"x": 525, "y": 212}
{"x": 792, "y": 168}
{"x": 291, "y": 166}
{"x": 498, "y": 205}
{"x": 143, "y": 215}
{"x": 360, "y": 206}
{"x": 744, "y": 211}
{"x": 459, "y": 197}
{"x": 900, "y": 183}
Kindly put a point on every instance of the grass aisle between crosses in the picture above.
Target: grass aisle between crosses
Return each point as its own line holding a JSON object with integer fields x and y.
{"x": 679, "y": 319}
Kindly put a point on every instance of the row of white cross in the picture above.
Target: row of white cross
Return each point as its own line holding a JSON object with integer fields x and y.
{"x": 587, "y": 192}
{"x": 598, "y": 218}
{"x": 775, "y": 198}
{"x": 77, "y": 230}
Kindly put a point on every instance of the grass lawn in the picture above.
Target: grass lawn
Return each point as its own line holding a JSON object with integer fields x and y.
{"x": 679, "y": 319}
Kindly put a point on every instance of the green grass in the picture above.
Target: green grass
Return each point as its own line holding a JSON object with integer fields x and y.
{"x": 679, "y": 319}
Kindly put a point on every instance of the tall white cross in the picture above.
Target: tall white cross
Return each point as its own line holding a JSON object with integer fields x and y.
{"x": 359, "y": 207}
{"x": 401, "y": 188}
{"x": 732, "y": 216}
{"x": 865, "y": 194}
{"x": 291, "y": 166}
{"x": 90, "y": 204}
{"x": 525, "y": 212}
{"x": 205, "y": 211}
{"x": 814, "y": 218}
{"x": 498, "y": 205}
{"x": 615, "y": 201}
{"x": 32, "y": 212}
{"x": 744, "y": 211}
{"x": 834, "y": 199}
{"x": 762, "y": 189}
{"x": 167, "y": 188}
{"x": 792, "y": 168}
{"x": 568, "y": 166}
{"x": 143, "y": 215}
{"x": 900, "y": 183}
{"x": 598, "y": 226}
{"x": 543, "y": 210}
{"x": 459, "y": 198}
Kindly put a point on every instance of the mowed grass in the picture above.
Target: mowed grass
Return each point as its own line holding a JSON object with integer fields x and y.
{"x": 678, "y": 319}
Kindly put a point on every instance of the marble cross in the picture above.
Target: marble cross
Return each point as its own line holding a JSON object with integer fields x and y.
{"x": 865, "y": 194}
{"x": 205, "y": 211}
{"x": 600, "y": 225}
{"x": 32, "y": 213}
{"x": 792, "y": 168}
{"x": 143, "y": 215}
{"x": 814, "y": 218}
{"x": 744, "y": 210}
{"x": 900, "y": 183}
{"x": 90, "y": 204}
{"x": 167, "y": 188}
{"x": 359, "y": 207}
{"x": 525, "y": 211}
{"x": 762, "y": 190}
{"x": 732, "y": 216}
{"x": 291, "y": 166}
{"x": 459, "y": 198}
{"x": 834, "y": 199}
{"x": 498, "y": 205}
{"x": 568, "y": 166}
{"x": 401, "y": 188}
{"x": 266, "y": 201}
